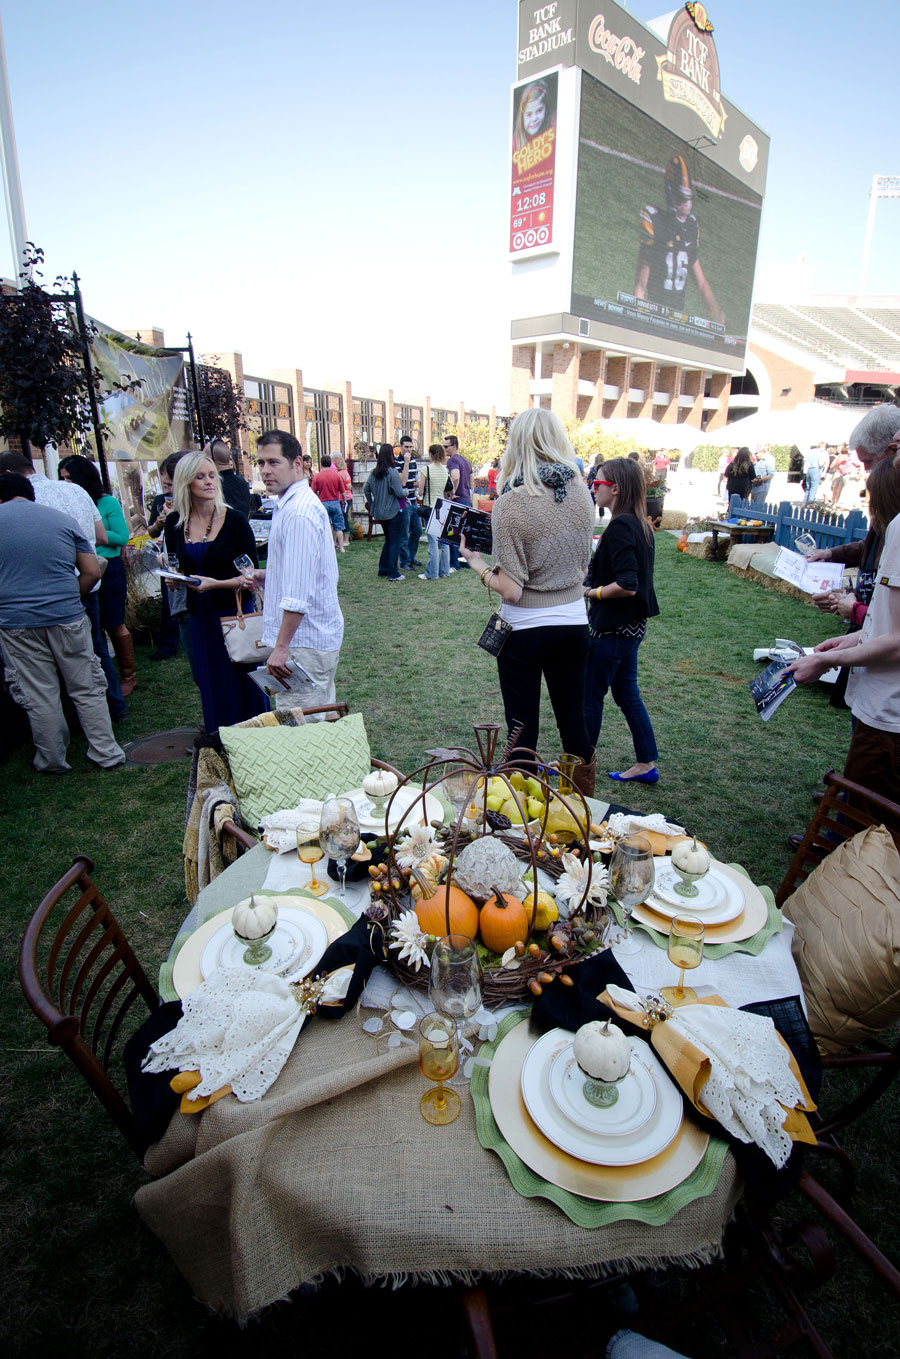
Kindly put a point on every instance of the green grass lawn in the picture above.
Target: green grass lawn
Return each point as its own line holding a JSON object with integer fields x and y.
{"x": 80, "y": 1273}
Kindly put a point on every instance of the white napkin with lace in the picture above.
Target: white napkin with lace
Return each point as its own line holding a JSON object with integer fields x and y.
{"x": 750, "y": 1086}
{"x": 622, "y": 823}
{"x": 280, "y": 828}
{"x": 238, "y": 1029}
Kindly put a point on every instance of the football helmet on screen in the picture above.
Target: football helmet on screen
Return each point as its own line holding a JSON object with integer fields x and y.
{"x": 678, "y": 183}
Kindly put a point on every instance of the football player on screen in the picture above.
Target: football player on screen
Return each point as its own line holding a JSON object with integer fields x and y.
{"x": 669, "y": 245}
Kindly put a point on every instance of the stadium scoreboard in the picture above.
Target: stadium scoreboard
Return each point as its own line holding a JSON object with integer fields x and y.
{"x": 636, "y": 187}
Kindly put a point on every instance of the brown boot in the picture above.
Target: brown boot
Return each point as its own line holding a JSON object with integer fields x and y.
{"x": 584, "y": 776}
{"x": 123, "y": 646}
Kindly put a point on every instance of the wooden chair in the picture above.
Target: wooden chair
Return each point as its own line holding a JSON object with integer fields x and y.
{"x": 335, "y": 712}
{"x": 845, "y": 809}
{"x": 81, "y": 977}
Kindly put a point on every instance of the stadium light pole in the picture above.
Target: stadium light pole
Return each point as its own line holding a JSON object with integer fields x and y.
{"x": 12, "y": 185}
{"x": 883, "y": 186}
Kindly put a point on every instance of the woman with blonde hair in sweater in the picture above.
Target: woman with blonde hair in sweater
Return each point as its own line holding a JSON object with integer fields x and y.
{"x": 542, "y": 523}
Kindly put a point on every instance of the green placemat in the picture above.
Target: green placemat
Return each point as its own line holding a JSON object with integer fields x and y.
{"x": 166, "y": 988}
{"x": 754, "y": 945}
{"x": 584, "y": 1212}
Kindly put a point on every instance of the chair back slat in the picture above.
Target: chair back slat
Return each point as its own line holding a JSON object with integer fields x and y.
{"x": 846, "y": 809}
{"x": 93, "y": 979}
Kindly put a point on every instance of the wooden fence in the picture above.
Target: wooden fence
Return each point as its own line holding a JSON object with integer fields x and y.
{"x": 829, "y": 530}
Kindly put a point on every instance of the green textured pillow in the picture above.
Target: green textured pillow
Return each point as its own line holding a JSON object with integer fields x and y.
{"x": 274, "y": 767}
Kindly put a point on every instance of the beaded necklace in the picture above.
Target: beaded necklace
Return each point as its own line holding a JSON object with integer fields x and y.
{"x": 187, "y": 528}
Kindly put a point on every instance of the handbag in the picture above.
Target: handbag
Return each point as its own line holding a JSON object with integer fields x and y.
{"x": 496, "y": 631}
{"x": 242, "y": 634}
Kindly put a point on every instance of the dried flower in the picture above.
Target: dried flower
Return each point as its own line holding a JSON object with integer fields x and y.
{"x": 571, "y": 885}
{"x": 417, "y": 846}
{"x": 409, "y": 938}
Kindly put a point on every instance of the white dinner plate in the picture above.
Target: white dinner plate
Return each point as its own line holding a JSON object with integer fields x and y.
{"x": 656, "y": 1134}
{"x": 634, "y": 1107}
{"x": 720, "y": 898}
{"x": 297, "y": 944}
{"x": 372, "y": 822}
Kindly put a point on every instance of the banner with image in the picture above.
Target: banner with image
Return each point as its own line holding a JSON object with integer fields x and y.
{"x": 533, "y": 163}
{"x": 151, "y": 419}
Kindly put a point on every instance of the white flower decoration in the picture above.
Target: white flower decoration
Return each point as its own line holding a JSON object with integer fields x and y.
{"x": 409, "y": 938}
{"x": 417, "y": 846}
{"x": 571, "y": 885}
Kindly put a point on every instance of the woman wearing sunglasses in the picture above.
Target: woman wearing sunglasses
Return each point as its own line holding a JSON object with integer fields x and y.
{"x": 620, "y": 599}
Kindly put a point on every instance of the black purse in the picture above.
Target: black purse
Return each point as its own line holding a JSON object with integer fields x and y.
{"x": 493, "y": 639}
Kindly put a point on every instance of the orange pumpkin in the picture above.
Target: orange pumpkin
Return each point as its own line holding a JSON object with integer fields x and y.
{"x": 432, "y": 913}
{"x": 504, "y": 922}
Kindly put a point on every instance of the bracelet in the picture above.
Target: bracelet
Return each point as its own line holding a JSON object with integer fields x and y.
{"x": 598, "y": 593}
{"x": 488, "y": 571}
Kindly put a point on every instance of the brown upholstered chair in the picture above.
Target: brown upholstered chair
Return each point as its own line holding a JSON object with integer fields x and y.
{"x": 81, "y": 978}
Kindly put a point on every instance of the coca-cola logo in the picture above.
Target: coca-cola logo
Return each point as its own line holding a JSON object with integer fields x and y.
{"x": 621, "y": 52}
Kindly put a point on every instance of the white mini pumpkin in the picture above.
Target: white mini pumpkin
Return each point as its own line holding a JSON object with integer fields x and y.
{"x": 254, "y": 919}
{"x": 380, "y": 783}
{"x": 602, "y": 1051}
{"x": 688, "y": 856}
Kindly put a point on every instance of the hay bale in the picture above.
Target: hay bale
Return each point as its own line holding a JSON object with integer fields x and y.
{"x": 674, "y": 519}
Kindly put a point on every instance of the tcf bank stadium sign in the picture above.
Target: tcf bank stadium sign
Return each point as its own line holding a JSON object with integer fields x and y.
{"x": 689, "y": 69}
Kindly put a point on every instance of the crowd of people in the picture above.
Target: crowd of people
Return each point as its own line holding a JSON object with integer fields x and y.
{"x": 825, "y": 474}
{"x": 570, "y": 614}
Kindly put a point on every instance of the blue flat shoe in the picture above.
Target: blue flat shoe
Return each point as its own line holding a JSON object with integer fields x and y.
{"x": 652, "y": 776}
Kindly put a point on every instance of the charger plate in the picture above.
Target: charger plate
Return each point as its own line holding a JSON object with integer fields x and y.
{"x": 186, "y": 975}
{"x": 610, "y": 1184}
{"x": 751, "y": 920}
{"x": 298, "y": 941}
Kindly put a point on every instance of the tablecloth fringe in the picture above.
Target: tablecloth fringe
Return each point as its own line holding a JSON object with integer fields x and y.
{"x": 446, "y": 1278}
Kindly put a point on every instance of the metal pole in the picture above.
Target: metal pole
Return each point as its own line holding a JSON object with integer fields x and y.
{"x": 92, "y": 395}
{"x": 196, "y": 388}
{"x": 12, "y": 185}
{"x": 867, "y": 244}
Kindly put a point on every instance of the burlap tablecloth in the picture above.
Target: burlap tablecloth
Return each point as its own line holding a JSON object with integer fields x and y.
{"x": 335, "y": 1168}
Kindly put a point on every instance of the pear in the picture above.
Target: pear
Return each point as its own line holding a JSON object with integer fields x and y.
{"x": 497, "y": 788}
{"x": 517, "y": 781}
{"x": 510, "y": 809}
{"x": 535, "y": 788}
{"x": 495, "y": 802}
{"x": 535, "y": 808}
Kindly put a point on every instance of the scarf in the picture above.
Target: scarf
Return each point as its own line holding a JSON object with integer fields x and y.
{"x": 554, "y": 475}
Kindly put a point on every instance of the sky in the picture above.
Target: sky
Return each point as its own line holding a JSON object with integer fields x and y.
{"x": 324, "y": 186}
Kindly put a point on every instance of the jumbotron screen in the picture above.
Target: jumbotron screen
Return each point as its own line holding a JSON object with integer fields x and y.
{"x": 665, "y": 240}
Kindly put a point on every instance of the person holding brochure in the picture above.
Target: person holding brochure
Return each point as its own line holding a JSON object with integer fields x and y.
{"x": 621, "y": 598}
{"x": 542, "y": 522}
{"x": 872, "y": 656}
{"x": 206, "y": 536}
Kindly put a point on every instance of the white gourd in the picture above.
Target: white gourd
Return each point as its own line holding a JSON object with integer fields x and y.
{"x": 254, "y": 919}
{"x": 602, "y": 1051}
{"x": 690, "y": 857}
{"x": 380, "y": 783}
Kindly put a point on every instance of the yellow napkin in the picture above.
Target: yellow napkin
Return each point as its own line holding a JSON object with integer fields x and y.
{"x": 691, "y": 1067}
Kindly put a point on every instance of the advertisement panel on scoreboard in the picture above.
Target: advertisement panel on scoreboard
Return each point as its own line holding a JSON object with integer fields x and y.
{"x": 533, "y": 163}
{"x": 665, "y": 239}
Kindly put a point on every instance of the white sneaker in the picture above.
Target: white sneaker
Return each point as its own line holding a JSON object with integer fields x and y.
{"x": 422, "y": 576}
{"x": 452, "y": 571}
{"x": 396, "y": 578}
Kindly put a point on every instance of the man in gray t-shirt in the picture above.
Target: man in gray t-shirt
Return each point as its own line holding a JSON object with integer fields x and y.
{"x": 44, "y": 632}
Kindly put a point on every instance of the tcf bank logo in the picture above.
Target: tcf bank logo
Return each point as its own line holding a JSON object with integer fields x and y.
{"x": 689, "y": 69}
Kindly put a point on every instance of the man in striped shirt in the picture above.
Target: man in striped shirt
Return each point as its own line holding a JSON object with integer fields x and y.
{"x": 302, "y": 619}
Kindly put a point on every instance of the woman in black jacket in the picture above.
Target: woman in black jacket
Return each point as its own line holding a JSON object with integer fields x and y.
{"x": 207, "y": 536}
{"x": 621, "y": 599}
{"x": 739, "y": 475}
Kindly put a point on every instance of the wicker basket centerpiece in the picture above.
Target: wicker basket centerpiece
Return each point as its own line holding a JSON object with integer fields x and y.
{"x": 479, "y": 875}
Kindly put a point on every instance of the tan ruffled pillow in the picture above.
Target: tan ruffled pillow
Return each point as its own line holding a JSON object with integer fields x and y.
{"x": 847, "y": 941}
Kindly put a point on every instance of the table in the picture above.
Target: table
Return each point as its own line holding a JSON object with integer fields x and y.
{"x": 761, "y": 533}
{"x": 333, "y": 1168}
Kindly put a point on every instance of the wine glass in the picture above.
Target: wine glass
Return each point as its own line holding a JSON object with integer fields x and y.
{"x": 631, "y": 876}
{"x": 310, "y": 851}
{"x": 567, "y": 764}
{"x": 339, "y": 833}
{"x": 454, "y": 983}
{"x": 456, "y": 787}
{"x": 685, "y": 950}
{"x": 805, "y": 543}
{"x": 245, "y": 566}
{"x": 438, "y": 1061}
